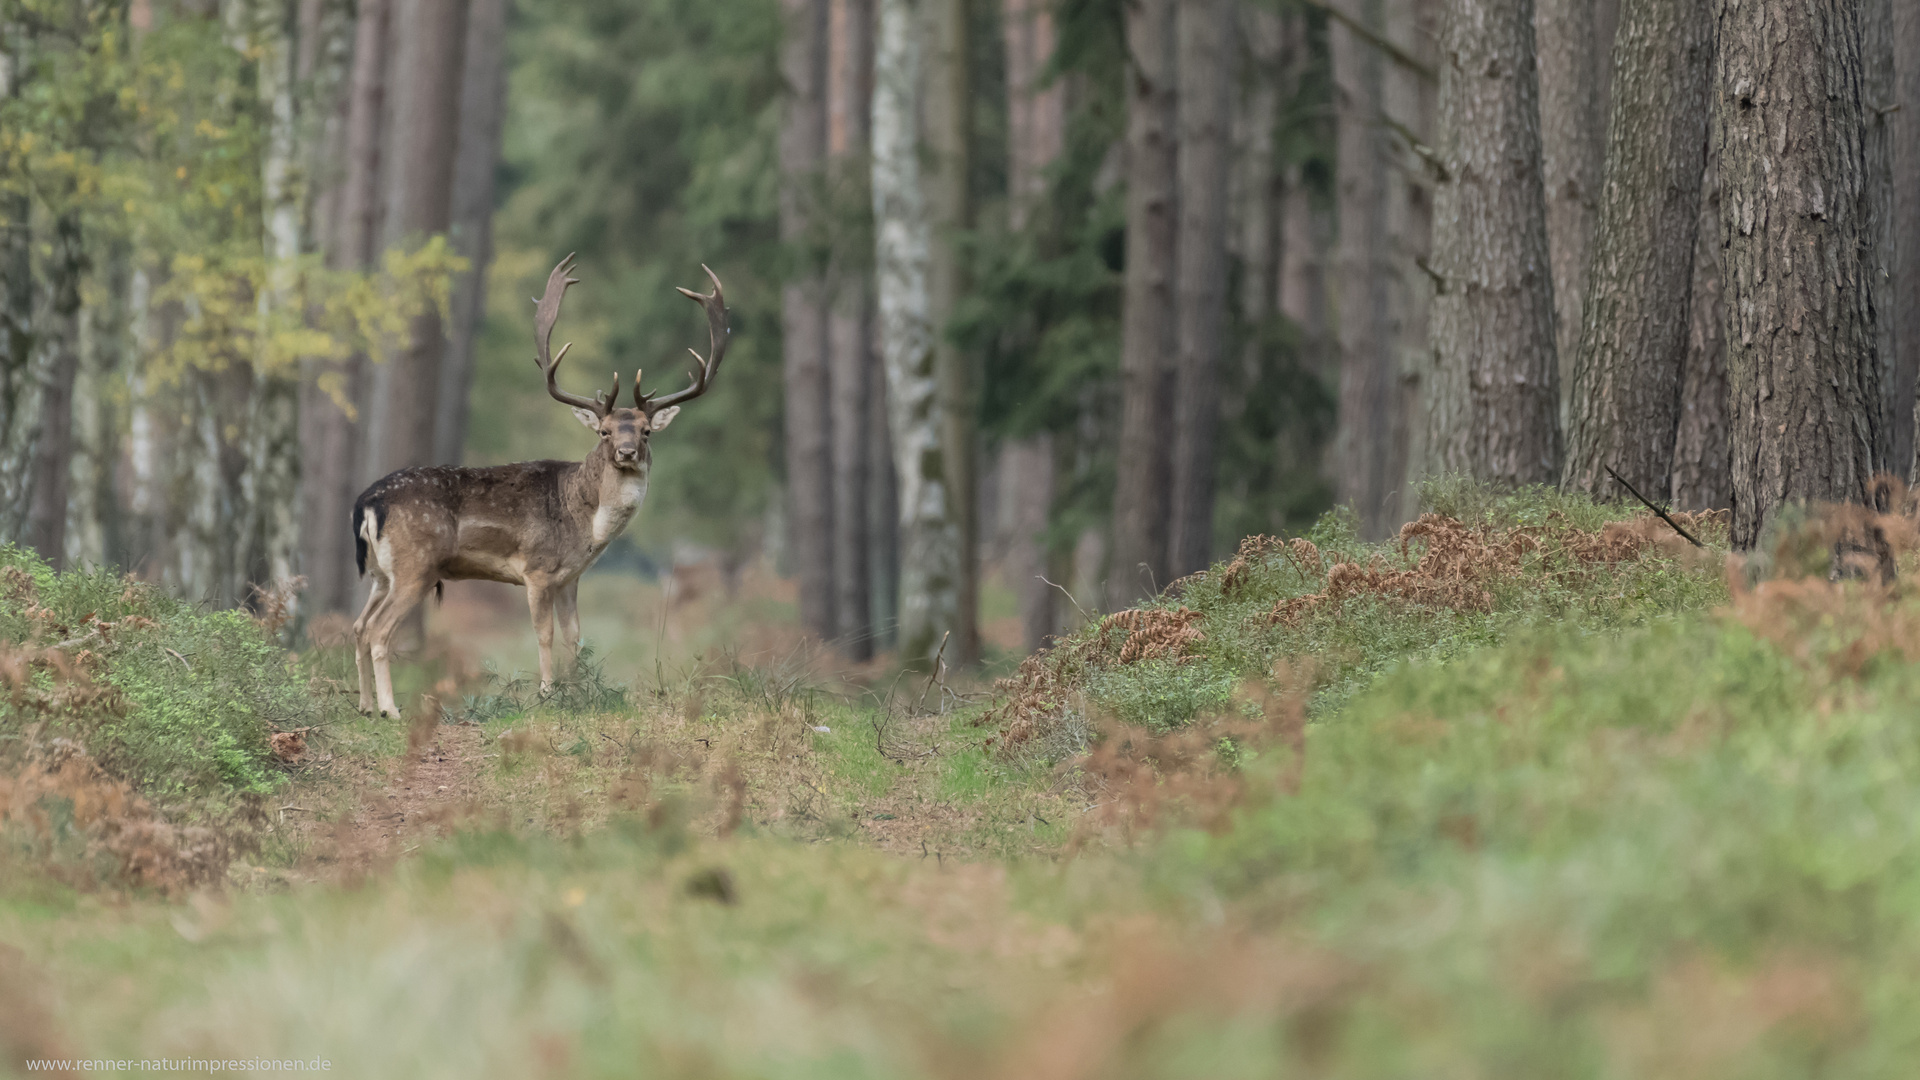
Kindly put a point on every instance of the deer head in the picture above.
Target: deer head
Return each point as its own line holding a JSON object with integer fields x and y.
{"x": 624, "y": 432}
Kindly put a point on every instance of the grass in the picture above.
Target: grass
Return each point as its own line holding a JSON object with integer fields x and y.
{"x": 1560, "y": 815}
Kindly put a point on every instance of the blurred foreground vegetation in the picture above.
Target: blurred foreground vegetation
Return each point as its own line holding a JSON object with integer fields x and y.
{"x": 1541, "y": 791}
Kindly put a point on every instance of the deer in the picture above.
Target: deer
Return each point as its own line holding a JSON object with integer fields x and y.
{"x": 539, "y": 524}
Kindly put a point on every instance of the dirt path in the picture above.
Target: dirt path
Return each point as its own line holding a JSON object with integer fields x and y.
{"x": 437, "y": 781}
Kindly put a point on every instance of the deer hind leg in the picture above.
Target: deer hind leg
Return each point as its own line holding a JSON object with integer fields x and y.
{"x": 362, "y": 643}
{"x": 566, "y": 612}
{"x": 540, "y": 603}
{"x": 404, "y": 595}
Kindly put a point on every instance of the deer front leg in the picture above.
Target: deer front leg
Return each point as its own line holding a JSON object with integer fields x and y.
{"x": 566, "y": 611}
{"x": 540, "y": 604}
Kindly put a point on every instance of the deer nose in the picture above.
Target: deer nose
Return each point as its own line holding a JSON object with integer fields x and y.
{"x": 626, "y": 455}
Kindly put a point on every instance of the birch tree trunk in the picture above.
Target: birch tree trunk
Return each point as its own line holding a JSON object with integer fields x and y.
{"x": 1802, "y": 360}
{"x": 1493, "y": 408}
{"x": 849, "y": 92}
{"x": 332, "y": 443}
{"x": 903, "y": 241}
{"x": 1206, "y": 78}
{"x": 483, "y": 100}
{"x": 1036, "y": 130}
{"x": 1902, "y": 302}
{"x": 1701, "y": 480}
{"x": 1573, "y": 144}
{"x": 59, "y": 339}
{"x": 947, "y": 105}
{"x": 1624, "y": 403}
{"x": 1148, "y": 327}
{"x": 809, "y": 402}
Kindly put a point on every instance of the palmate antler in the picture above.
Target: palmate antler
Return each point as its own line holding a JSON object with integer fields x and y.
{"x": 715, "y": 304}
{"x": 544, "y": 316}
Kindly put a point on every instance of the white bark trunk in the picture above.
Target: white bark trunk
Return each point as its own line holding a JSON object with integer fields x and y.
{"x": 903, "y": 242}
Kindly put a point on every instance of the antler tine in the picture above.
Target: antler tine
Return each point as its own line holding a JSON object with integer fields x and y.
{"x": 544, "y": 316}
{"x": 639, "y": 399}
{"x": 715, "y": 304}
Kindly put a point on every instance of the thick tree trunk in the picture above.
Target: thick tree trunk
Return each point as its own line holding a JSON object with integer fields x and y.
{"x": 1493, "y": 407}
{"x": 948, "y": 107}
{"x": 483, "y": 100}
{"x": 1036, "y": 131}
{"x": 59, "y": 337}
{"x": 1200, "y": 291}
{"x": 849, "y": 90}
{"x": 929, "y": 533}
{"x": 1625, "y": 399}
{"x": 1879, "y": 94}
{"x": 1701, "y": 477}
{"x": 1573, "y": 145}
{"x": 331, "y": 442}
{"x": 803, "y": 319}
{"x": 1802, "y": 364}
{"x": 426, "y": 41}
{"x": 1148, "y": 324}
{"x": 1901, "y": 305}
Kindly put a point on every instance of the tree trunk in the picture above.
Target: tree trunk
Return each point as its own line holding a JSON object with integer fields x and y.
{"x": 423, "y": 108}
{"x": 948, "y": 107}
{"x": 809, "y": 403}
{"x": 331, "y": 442}
{"x": 929, "y": 532}
{"x": 1206, "y": 84}
{"x": 883, "y": 500}
{"x": 849, "y": 91}
{"x": 59, "y": 337}
{"x": 1902, "y": 302}
{"x": 93, "y": 517}
{"x": 1802, "y": 364}
{"x": 1701, "y": 480}
{"x": 1493, "y": 408}
{"x": 1625, "y": 399}
{"x": 1894, "y": 425}
{"x": 22, "y": 377}
{"x": 1148, "y": 327}
{"x": 1573, "y": 145}
{"x": 483, "y": 100}
{"x": 1036, "y": 130}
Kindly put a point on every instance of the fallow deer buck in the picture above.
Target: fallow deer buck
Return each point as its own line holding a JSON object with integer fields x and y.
{"x": 534, "y": 523}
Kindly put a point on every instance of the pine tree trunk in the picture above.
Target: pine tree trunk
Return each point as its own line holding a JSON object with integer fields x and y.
{"x": 332, "y": 443}
{"x": 809, "y": 402}
{"x": 1148, "y": 324}
{"x": 1410, "y": 231}
{"x": 849, "y": 90}
{"x": 483, "y": 101}
{"x": 1802, "y": 366}
{"x": 1625, "y": 399}
{"x": 1036, "y": 129}
{"x": 929, "y": 532}
{"x": 1493, "y": 406}
{"x": 1701, "y": 476}
{"x": 427, "y": 38}
{"x": 1573, "y": 144}
{"x": 59, "y": 338}
{"x": 1206, "y": 80}
{"x": 1902, "y": 302}
{"x": 1879, "y": 93}
{"x": 948, "y": 107}
{"x": 22, "y": 378}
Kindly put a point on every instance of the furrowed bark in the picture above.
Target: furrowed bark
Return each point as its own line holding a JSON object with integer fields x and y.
{"x": 1493, "y": 408}
{"x": 1573, "y": 143}
{"x": 1902, "y": 302}
{"x": 1624, "y": 404}
{"x": 1802, "y": 360}
{"x": 1701, "y": 480}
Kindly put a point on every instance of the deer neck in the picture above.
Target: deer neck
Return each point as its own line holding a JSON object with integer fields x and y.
{"x": 609, "y": 496}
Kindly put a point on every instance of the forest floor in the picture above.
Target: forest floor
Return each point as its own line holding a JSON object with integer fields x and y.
{"x": 1537, "y": 791}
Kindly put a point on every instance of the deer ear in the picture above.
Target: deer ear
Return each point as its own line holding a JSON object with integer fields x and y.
{"x": 662, "y": 418}
{"x": 589, "y": 418}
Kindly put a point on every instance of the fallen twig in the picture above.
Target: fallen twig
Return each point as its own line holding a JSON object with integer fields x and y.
{"x": 1655, "y": 509}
